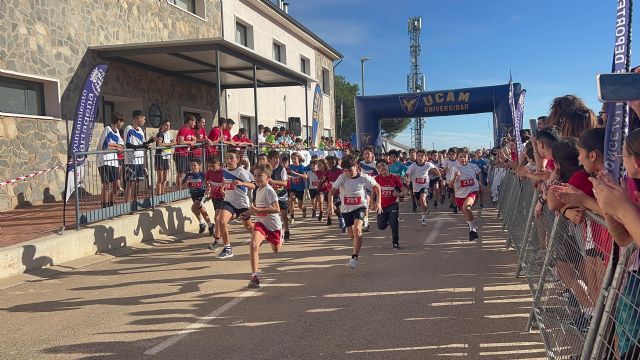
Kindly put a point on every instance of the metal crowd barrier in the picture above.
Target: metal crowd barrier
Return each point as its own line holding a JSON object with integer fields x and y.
{"x": 586, "y": 303}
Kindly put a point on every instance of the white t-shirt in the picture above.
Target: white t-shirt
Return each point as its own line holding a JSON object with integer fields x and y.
{"x": 419, "y": 175}
{"x": 352, "y": 191}
{"x": 265, "y": 197}
{"x": 166, "y": 138}
{"x": 134, "y": 136}
{"x": 313, "y": 180}
{"x": 237, "y": 196}
{"x": 368, "y": 168}
{"x": 466, "y": 182}
{"x": 107, "y": 137}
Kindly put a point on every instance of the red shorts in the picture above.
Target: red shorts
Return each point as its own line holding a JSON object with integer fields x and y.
{"x": 271, "y": 236}
{"x": 460, "y": 201}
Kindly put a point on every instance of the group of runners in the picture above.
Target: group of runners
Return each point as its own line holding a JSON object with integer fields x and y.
{"x": 266, "y": 199}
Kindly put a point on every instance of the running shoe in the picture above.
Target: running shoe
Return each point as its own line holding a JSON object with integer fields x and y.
{"x": 214, "y": 245}
{"x": 313, "y": 213}
{"x": 353, "y": 263}
{"x": 226, "y": 253}
{"x": 329, "y": 222}
{"x": 292, "y": 220}
{"x": 304, "y": 212}
{"x": 203, "y": 227}
{"x": 415, "y": 207}
{"x": 254, "y": 283}
{"x": 286, "y": 234}
{"x": 211, "y": 230}
{"x": 435, "y": 204}
{"x": 320, "y": 217}
{"x": 396, "y": 246}
{"x": 473, "y": 235}
{"x": 365, "y": 228}
{"x": 423, "y": 222}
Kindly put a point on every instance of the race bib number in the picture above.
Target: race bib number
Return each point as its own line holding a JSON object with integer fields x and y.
{"x": 195, "y": 184}
{"x": 352, "y": 200}
{"x": 229, "y": 186}
{"x": 388, "y": 193}
{"x": 297, "y": 180}
{"x": 467, "y": 183}
{"x": 421, "y": 180}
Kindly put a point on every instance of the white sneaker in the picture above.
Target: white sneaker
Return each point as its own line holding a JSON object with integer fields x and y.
{"x": 353, "y": 263}
{"x": 423, "y": 222}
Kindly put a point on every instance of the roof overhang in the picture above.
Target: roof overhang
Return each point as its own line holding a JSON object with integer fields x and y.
{"x": 195, "y": 60}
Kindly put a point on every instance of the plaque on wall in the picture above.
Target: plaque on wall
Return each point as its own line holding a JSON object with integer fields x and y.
{"x": 155, "y": 115}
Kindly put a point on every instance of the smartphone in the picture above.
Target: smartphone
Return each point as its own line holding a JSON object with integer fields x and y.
{"x": 618, "y": 87}
{"x": 533, "y": 124}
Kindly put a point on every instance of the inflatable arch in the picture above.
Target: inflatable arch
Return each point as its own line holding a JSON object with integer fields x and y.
{"x": 494, "y": 99}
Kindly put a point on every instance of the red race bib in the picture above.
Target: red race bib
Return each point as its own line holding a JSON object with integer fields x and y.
{"x": 229, "y": 186}
{"x": 421, "y": 180}
{"x": 467, "y": 183}
{"x": 297, "y": 180}
{"x": 352, "y": 200}
{"x": 388, "y": 193}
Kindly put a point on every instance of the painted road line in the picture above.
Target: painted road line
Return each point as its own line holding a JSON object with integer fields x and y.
{"x": 433, "y": 234}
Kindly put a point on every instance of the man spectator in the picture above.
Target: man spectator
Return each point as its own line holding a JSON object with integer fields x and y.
{"x": 108, "y": 163}
{"x": 186, "y": 136}
{"x": 226, "y": 133}
{"x": 215, "y": 135}
{"x": 242, "y": 140}
{"x": 201, "y": 137}
{"x": 134, "y": 162}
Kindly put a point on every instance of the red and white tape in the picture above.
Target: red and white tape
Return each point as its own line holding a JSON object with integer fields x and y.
{"x": 21, "y": 178}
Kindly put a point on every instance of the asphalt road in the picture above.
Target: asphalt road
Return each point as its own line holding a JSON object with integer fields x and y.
{"x": 440, "y": 296}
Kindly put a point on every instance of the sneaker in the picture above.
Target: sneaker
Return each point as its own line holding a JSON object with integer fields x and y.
{"x": 211, "y": 230}
{"x": 329, "y": 222}
{"x": 254, "y": 283}
{"x": 365, "y": 228}
{"x": 214, "y": 245}
{"x": 286, "y": 234}
{"x": 396, "y": 246}
{"x": 473, "y": 235}
{"x": 455, "y": 209}
{"x": 226, "y": 253}
{"x": 435, "y": 204}
{"x": 304, "y": 212}
{"x": 313, "y": 213}
{"x": 292, "y": 220}
{"x": 203, "y": 227}
{"x": 353, "y": 263}
{"x": 320, "y": 217}
{"x": 423, "y": 222}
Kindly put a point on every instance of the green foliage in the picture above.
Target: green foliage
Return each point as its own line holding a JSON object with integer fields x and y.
{"x": 345, "y": 93}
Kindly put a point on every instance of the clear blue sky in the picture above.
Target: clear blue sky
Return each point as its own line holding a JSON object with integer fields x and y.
{"x": 552, "y": 47}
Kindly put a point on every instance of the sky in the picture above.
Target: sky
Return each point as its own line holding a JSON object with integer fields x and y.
{"x": 552, "y": 47}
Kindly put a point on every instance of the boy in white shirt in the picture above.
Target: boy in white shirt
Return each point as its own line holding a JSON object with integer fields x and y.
{"x": 419, "y": 174}
{"x": 268, "y": 225}
{"x": 353, "y": 207}
{"x": 463, "y": 179}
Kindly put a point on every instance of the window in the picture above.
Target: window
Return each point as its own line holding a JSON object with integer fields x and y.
{"x": 246, "y": 122}
{"x": 108, "y": 108}
{"x": 194, "y": 7}
{"x": 327, "y": 132}
{"x": 244, "y": 34}
{"x": 304, "y": 65}
{"x": 279, "y": 52}
{"x": 21, "y": 97}
{"x": 326, "y": 84}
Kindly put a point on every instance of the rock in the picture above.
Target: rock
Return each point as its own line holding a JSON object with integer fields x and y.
{"x": 10, "y": 130}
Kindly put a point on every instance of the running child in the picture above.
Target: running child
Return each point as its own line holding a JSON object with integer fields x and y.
{"x": 267, "y": 224}
{"x": 215, "y": 184}
{"x": 351, "y": 185}
{"x": 297, "y": 179}
{"x": 390, "y": 187}
{"x": 419, "y": 172}
{"x": 237, "y": 183}
{"x": 195, "y": 181}
{"x": 463, "y": 180}
{"x": 368, "y": 167}
{"x": 323, "y": 167}
{"x": 279, "y": 182}
{"x": 313, "y": 182}
{"x": 330, "y": 176}
{"x": 447, "y": 164}
{"x": 435, "y": 181}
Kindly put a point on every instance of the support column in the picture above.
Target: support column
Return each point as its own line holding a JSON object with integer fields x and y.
{"x": 255, "y": 102}
{"x": 218, "y": 86}
{"x": 306, "y": 114}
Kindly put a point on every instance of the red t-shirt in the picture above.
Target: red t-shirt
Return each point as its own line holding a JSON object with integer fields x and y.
{"x": 330, "y": 177}
{"x": 216, "y": 180}
{"x": 200, "y": 134}
{"x": 551, "y": 165}
{"x": 388, "y": 186}
{"x": 188, "y": 135}
{"x": 580, "y": 180}
{"x": 214, "y": 134}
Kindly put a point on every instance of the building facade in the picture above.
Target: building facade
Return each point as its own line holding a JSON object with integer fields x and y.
{"x": 47, "y": 49}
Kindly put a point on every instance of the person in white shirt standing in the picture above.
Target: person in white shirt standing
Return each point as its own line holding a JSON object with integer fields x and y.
{"x": 368, "y": 167}
{"x": 419, "y": 173}
{"x": 353, "y": 207}
{"x": 108, "y": 163}
{"x": 462, "y": 178}
{"x": 134, "y": 161}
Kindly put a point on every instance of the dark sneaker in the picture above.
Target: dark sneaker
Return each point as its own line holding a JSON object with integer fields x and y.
{"x": 473, "y": 235}
{"x": 286, "y": 234}
{"x": 313, "y": 213}
{"x": 254, "y": 283}
{"x": 304, "y": 212}
{"x": 203, "y": 227}
{"x": 329, "y": 222}
{"x": 320, "y": 217}
{"x": 365, "y": 228}
{"x": 455, "y": 209}
{"x": 226, "y": 253}
{"x": 214, "y": 245}
{"x": 396, "y": 246}
{"x": 212, "y": 230}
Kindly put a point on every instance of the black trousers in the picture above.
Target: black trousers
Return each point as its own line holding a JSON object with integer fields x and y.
{"x": 389, "y": 217}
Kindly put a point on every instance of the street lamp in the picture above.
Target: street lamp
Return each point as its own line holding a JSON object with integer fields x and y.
{"x": 362, "y": 60}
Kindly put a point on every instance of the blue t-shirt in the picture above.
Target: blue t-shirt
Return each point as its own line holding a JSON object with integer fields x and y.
{"x": 482, "y": 164}
{"x": 196, "y": 183}
{"x": 398, "y": 168}
{"x": 297, "y": 182}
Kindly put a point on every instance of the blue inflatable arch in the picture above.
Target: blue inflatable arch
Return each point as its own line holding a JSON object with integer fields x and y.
{"x": 494, "y": 99}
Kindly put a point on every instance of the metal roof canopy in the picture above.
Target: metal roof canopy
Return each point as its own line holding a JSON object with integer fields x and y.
{"x": 196, "y": 60}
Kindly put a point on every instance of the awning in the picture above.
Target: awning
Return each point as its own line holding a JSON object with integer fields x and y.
{"x": 196, "y": 60}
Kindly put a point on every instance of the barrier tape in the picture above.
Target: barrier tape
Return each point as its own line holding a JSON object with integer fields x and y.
{"x": 34, "y": 174}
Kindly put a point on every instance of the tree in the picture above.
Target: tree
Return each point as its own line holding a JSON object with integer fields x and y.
{"x": 345, "y": 94}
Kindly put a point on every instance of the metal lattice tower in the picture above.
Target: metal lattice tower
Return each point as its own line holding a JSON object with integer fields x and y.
{"x": 415, "y": 79}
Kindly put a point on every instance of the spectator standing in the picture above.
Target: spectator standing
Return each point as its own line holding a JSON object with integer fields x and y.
{"x": 163, "y": 139}
{"x": 134, "y": 162}
{"x": 186, "y": 136}
{"x": 201, "y": 136}
{"x": 242, "y": 140}
{"x": 108, "y": 163}
{"x": 215, "y": 135}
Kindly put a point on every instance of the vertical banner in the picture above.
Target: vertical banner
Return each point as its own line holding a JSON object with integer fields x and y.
{"x": 317, "y": 114}
{"x": 518, "y": 116}
{"x": 618, "y": 113}
{"x": 512, "y": 104}
{"x": 83, "y": 124}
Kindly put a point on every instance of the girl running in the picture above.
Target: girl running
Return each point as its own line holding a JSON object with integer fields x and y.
{"x": 463, "y": 180}
{"x": 419, "y": 174}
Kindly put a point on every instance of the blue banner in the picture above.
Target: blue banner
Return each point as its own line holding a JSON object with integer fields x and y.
{"x": 317, "y": 114}
{"x": 83, "y": 124}
{"x": 618, "y": 113}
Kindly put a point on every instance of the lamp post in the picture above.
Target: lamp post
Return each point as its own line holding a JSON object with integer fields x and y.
{"x": 362, "y": 60}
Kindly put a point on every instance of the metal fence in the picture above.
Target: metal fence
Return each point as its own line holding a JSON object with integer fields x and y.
{"x": 586, "y": 303}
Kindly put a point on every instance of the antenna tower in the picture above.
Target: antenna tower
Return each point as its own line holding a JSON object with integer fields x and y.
{"x": 415, "y": 79}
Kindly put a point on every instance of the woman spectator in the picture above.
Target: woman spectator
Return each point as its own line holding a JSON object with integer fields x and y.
{"x": 561, "y": 106}
{"x": 576, "y": 122}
